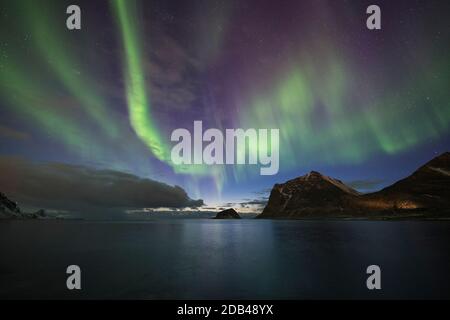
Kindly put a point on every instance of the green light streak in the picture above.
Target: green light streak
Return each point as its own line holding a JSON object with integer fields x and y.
{"x": 138, "y": 103}
{"x": 324, "y": 120}
{"x": 29, "y": 99}
{"x": 49, "y": 42}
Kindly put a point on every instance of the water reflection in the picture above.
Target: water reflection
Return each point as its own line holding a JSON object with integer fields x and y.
{"x": 209, "y": 259}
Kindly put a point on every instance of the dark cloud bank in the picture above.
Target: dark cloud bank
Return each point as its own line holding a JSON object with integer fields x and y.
{"x": 365, "y": 185}
{"x": 74, "y": 188}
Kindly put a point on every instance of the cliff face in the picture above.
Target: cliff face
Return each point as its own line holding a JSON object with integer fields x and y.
{"x": 315, "y": 195}
{"x": 8, "y": 208}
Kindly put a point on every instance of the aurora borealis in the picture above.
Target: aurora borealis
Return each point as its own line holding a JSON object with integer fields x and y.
{"x": 138, "y": 104}
{"x": 350, "y": 102}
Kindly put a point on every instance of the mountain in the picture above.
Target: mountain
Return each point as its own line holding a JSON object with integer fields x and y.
{"x": 425, "y": 193}
{"x": 227, "y": 214}
{"x": 427, "y": 187}
{"x": 309, "y": 195}
{"x": 10, "y": 210}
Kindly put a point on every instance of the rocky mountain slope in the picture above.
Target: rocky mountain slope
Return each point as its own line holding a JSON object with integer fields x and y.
{"x": 10, "y": 210}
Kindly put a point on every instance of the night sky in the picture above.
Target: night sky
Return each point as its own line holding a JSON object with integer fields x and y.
{"x": 367, "y": 107}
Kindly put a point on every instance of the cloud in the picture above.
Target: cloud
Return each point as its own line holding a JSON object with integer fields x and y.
{"x": 260, "y": 201}
{"x": 9, "y": 133}
{"x": 172, "y": 72}
{"x": 246, "y": 206}
{"x": 70, "y": 187}
{"x": 368, "y": 184}
{"x": 251, "y": 205}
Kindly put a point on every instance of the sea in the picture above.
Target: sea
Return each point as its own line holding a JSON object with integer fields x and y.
{"x": 224, "y": 259}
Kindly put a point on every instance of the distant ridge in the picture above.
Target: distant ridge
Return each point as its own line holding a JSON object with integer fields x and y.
{"x": 425, "y": 193}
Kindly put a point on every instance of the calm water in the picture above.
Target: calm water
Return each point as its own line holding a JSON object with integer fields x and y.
{"x": 209, "y": 259}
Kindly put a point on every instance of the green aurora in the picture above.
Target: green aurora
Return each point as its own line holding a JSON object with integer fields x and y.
{"x": 339, "y": 95}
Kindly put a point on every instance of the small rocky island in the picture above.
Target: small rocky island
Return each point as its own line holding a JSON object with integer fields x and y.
{"x": 227, "y": 214}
